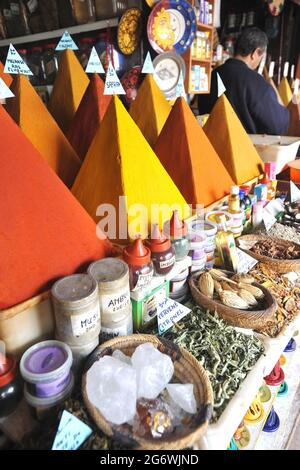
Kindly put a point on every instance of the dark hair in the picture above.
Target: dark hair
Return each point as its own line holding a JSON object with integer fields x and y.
{"x": 250, "y": 40}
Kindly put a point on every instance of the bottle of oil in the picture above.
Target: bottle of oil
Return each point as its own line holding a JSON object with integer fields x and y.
{"x": 226, "y": 245}
{"x": 234, "y": 200}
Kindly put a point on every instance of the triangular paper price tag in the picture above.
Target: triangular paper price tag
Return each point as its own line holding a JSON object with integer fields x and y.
{"x": 148, "y": 66}
{"x": 5, "y": 92}
{"x": 286, "y": 69}
{"x": 180, "y": 91}
{"x": 221, "y": 86}
{"x": 94, "y": 64}
{"x": 271, "y": 69}
{"x": 269, "y": 220}
{"x": 245, "y": 261}
{"x": 294, "y": 192}
{"x": 168, "y": 313}
{"x": 71, "y": 433}
{"x": 66, "y": 42}
{"x": 112, "y": 83}
{"x": 14, "y": 64}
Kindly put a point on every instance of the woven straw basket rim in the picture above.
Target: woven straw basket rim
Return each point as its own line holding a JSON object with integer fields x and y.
{"x": 187, "y": 370}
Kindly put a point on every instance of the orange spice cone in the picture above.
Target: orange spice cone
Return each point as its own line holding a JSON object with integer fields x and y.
{"x": 6, "y": 77}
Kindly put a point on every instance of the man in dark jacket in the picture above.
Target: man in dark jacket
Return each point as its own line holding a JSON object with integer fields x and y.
{"x": 253, "y": 99}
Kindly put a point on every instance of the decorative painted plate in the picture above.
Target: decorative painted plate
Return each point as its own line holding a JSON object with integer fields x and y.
{"x": 167, "y": 68}
{"x": 275, "y": 6}
{"x": 131, "y": 81}
{"x": 130, "y": 30}
{"x": 151, "y": 3}
{"x": 172, "y": 26}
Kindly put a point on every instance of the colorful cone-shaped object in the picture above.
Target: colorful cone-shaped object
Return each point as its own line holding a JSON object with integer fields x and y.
{"x": 276, "y": 377}
{"x": 150, "y": 109}
{"x": 88, "y": 116}
{"x": 232, "y": 143}
{"x": 69, "y": 87}
{"x": 120, "y": 162}
{"x": 30, "y": 113}
{"x": 273, "y": 422}
{"x": 45, "y": 233}
{"x": 190, "y": 159}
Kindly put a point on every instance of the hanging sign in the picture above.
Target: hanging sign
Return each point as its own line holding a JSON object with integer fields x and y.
{"x": 66, "y": 42}
{"x": 94, "y": 64}
{"x": 221, "y": 86}
{"x": 180, "y": 91}
{"x": 14, "y": 64}
{"x": 112, "y": 83}
{"x": 148, "y": 66}
{"x": 5, "y": 92}
{"x": 271, "y": 69}
{"x": 71, "y": 433}
{"x": 168, "y": 313}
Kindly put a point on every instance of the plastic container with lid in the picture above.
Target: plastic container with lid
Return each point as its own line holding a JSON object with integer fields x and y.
{"x": 77, "y": 310}
{"x": 162, "y": 252}
{"x": 112, "y": 277}
{"x": 46, "y": 368}
{"x": 84, "y": 11}
{"x": 138, "y": 258}
{"x": 177, "y": 230}
{"x": 10, "y": 385}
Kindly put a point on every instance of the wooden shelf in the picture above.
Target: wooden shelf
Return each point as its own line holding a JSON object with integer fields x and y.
{"x": 83, "y": 28}
{"x": 205, "y": 26}
{"x": 204, "y": 61}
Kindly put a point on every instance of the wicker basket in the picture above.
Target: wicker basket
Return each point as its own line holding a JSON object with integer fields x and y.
{"x": 281, "y": 266}
{"x": 187, "y": 370}
{"x": 253, "y": 319}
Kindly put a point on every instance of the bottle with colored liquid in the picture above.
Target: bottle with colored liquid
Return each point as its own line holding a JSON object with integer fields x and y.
{"x": 247, "y": 204}
{"x": 234, "y": 200}
{"x": 270, "y": 191}
{"x": 226, "y": 247}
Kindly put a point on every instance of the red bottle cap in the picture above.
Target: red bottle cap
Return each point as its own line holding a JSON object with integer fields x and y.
{"x": 8, "y": 369}
{"x": 246, "y": 189}
{"x": 176, "y": 228}
{"x": 265, "y": 179}
{"x": 158, "y": 242}
{"x": 137, "y": 254}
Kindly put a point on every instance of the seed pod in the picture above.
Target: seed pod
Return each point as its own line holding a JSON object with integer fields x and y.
{"x": 218, "y": 287}
{"x": 217, "y": 275}
{"x": 245, "y": 278}
{"x": 258, "y": 293}
{"x": 248, "y": 297}
{"x": 206, "y": 285}
{"x": 226, "y": 286}
{"x": 231, "y": 299}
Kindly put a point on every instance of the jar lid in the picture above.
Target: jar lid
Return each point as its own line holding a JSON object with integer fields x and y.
{"x": 175, "y": 227}
{"x": 158, "y": 242}
{"x": 137, "y": 254}
{"x": 8, "y": 369}
{"x": 108, "y": 270}
{"x": 74, "y": 288}
{"x": 245, "y": 188}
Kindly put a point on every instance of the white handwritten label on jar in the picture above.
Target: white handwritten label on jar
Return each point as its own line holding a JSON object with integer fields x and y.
{"x": 143, "y": 280}
{"x": 123, "y": 330}
{"x": 114, "y": 303}
{"x": 167, "y": 263}
{"x": 82, "y": 324}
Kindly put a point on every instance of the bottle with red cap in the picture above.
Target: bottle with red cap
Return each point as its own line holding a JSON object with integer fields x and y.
{"x": 11, "y": 390}
{"x": 162, "y": 252}
{"x": 177, "y": 230}
{"x": 138, "y": 258}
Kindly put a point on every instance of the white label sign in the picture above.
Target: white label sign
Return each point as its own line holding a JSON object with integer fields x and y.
{"x": 268, "y": 220}
{"x": 286, "y": 69}
{"x": 66, "y": 42}
{"x": 262, "y": 64}
{"x": 246, "y": 262}
{"x": 148, "y": 66}
{"x": 14, "y": 64}
{"x": 5, "y": 92}
{"x": 94, "y": 64}
{"x": 295, "y": 192}
{"x": 115, "y": 303}
{"x": 221, "y": 86}
{"x": 271, "y": 69}
{"x": 292, "y": 75}
{"x": 168, "y": 313}
{"x": 71, "y": 433}
{"x": 180, "y": 91}
{"x": 112, "y": 83}
{"x": 296, "y": 91}
{"x": 88, "y": 321}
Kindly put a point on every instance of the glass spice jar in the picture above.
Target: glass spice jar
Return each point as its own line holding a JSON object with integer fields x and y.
{"x": 11, "y": 390}
{"x": 162, "y": 252}
{"x": 178, "y": 231}
{"x": 138, "y": 258}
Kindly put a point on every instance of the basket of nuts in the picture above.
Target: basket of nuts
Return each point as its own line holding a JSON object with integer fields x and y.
{"x": 237, "y": 298}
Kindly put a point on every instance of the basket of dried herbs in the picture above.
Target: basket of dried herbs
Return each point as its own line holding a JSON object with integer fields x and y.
{"x": 237, "y": 298}
{"x": 157, "y": 424}
{"x": 280, "y": 255}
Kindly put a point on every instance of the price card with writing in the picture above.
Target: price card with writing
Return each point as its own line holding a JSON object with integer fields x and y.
{"x": 14, "y": 64}
{"x": 66, "y": 42}
{"x": 269, "y": 220}
{"x": 294, "y": 192}
{"x": 168, "y": 313}
{"x": 112, "y": 83}
{"x": 71, "y": 433}
{"x": 246, "y": 262}
{"x": 148, "y": 66}
{"x": 5, "y": 92}
{"x": 221, "y": 86}
{"x": 94, "y": 64}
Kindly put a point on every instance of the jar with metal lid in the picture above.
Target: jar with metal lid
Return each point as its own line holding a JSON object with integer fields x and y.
{"x": 10, "y": 385}
{"x": 112, "y": 277}
{"x": 138, "y": 258}
{"x": 177, "y": 230}
{"x": 77, "y": 311}
{"x": 162, "y": 252}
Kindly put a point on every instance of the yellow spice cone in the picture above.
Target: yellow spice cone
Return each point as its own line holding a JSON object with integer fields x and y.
{"x": 150, "y": 110}
{"x": 69, "y": 88}
{"x": 285, "y": 91}
{"x": 30, "y": 113}
{"x": 120, "y": 162}
{"x": 232, "y": 143}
